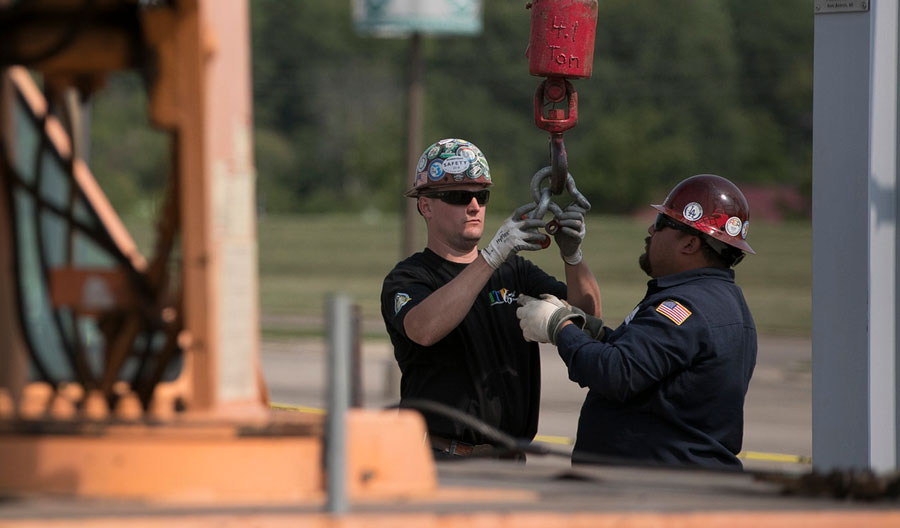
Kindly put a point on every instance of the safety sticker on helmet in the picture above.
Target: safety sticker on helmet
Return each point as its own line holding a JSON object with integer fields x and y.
{"x": 436, "y": 171}
{"x": 733, "y": 226}
{"x": 467, "y": 153}
{"x": 456, "y": 164}
{"x": 692, "y": 211}
{"x": 477, "y": 170}
{"x": 449, "y": 147}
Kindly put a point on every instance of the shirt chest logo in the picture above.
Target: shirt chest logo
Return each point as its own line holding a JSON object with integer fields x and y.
{"x": 502, "y": 296}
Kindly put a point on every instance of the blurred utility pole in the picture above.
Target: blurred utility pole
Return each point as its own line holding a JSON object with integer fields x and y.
{"x": 412, "y": 19}
{"x": 409, "y": 225}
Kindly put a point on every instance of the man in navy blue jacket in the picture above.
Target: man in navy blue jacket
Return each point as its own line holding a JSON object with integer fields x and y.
{"x": 668, "y": 385}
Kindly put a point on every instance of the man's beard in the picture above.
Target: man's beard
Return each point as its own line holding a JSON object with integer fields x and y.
{"x": 644, "y": 259}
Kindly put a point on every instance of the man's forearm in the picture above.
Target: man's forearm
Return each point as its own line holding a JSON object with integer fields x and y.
{"x": 582, "y": 289}
{"x": 432, "y": 319}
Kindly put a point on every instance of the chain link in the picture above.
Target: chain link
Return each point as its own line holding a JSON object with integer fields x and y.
{"x": 542, "y": 198}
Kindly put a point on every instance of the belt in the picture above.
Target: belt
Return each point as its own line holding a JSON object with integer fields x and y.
{"x": 462, "y": 449}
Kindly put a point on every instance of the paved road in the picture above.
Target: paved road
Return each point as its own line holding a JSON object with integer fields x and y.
{"x": 777, "y": 411}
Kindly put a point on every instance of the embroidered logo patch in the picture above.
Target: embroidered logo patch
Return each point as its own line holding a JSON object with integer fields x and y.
{"x": 674, "y": 311}
{"x": 399, "y": 300}
{"x": 502, "y": 296}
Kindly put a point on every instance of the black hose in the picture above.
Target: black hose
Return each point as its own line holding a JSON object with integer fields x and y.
{"x": 522, "y": 445}
{"x": 500, "y": 438}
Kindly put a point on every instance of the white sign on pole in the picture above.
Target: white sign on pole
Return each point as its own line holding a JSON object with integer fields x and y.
{"x": 391, "y": 18}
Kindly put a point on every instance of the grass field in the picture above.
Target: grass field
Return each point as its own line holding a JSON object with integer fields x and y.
{"x": 304, "y": 258}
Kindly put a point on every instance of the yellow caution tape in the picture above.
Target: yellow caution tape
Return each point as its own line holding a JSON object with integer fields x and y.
{"x": 296, "y": 408}
{"x": 550, "y": 439}
{"x": 775, "y": 457}
{"x": 746, "y": 455}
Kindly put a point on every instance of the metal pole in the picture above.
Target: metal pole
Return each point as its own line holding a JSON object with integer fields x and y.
{"x": 356, "y": 362}
{"x": 855, "y": 243}
{"x": 339, "y": 345}
{"x": 13, "y": 355}
{"x": 414, "y": 144}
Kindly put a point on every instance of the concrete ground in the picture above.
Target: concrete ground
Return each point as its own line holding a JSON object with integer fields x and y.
{"x": 778, "y": 412}
{"x": 546, "y": 490}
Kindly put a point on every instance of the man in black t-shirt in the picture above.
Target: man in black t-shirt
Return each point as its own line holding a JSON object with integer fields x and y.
{"x": 450, "y": 310}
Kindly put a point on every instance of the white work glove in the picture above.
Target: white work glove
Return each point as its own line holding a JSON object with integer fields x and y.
{"x": 541, "y": 319}
{"x": 571, "y": 233}
{"x": 517, "y": 233}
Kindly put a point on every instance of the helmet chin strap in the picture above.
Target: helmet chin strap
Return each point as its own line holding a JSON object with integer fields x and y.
{"x": 729, "y": 253}
{"x": 717, "y": 245}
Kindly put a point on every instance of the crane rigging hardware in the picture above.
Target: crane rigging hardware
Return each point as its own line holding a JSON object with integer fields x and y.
{"x": 544, "y": 203}
{"x": 560, "y": 47}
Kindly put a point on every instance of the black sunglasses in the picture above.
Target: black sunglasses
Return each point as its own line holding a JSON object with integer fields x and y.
{"x": 664, "y": 221}
{"x": 461, "y": 197}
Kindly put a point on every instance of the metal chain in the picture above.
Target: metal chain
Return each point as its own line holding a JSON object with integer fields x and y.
{"x": 541, "y": 197}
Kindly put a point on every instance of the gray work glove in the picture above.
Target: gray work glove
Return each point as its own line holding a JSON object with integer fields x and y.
{"x": 592, "y": 326}
{"x": 541, "y": 319}
{"x": 517, "y": 233}
{"x": 571, "y": 233}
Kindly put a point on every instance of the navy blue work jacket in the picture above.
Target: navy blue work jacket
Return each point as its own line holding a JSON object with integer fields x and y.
{"x": 668, "y": 384}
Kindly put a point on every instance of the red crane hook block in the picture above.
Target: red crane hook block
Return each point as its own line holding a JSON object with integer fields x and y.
{"x": 560, "y": 47}
{"x": 562, "y": 38}
{"x": 557, "y": 120}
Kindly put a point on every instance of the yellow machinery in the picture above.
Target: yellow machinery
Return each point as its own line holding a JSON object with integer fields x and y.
{"x": 124, "y": 375}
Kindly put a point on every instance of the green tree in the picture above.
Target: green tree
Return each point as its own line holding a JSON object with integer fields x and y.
{"x": 662, "y": 103}
{"x": 775, "y": 44}
{"x": 330, "y": 94}
{"x": 678, "y": 88}
{"x": 129, "y": 158}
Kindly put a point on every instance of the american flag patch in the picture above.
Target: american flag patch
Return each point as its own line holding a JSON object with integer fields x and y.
{"x": 674, "y": 311}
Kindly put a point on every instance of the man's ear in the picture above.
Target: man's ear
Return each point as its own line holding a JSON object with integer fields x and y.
{"x": 423, "y": 206}
{"x": 691, "y": 244}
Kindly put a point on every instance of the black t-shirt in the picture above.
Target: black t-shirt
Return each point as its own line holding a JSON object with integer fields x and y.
{"x": 483, "y": 367}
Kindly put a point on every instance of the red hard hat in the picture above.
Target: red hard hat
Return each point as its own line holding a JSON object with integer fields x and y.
{"x": 712, "y": 205}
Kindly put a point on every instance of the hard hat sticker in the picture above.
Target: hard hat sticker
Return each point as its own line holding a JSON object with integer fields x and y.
{"x": 692, "y": 212}
{"x": 433, "y": 151}
{"x": 420, "y": 166}
{"x": 477, "y": 170}
{"x": 467, "y": 153}
{"x": 733, "y": 226}
{"x": 456, "y": 164}
{"x": 745, "y": 229}
{"x": 436, "y": 171}
{"x": 449, "y": 148}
